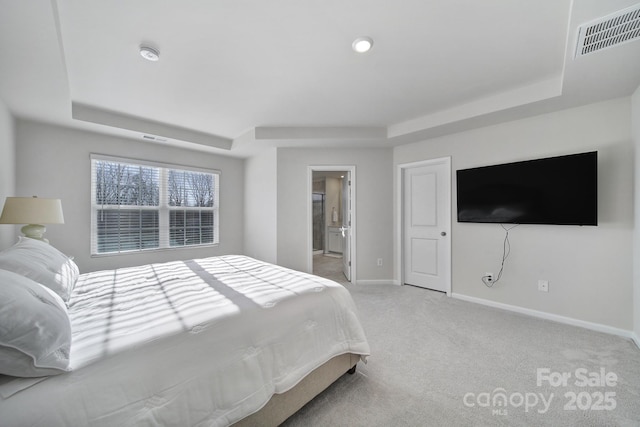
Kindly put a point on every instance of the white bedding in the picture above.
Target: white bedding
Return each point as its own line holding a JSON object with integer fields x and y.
{"x": 188, "y": 343}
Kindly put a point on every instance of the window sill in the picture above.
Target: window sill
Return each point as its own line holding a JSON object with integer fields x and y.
{"x": 154, "y": 250}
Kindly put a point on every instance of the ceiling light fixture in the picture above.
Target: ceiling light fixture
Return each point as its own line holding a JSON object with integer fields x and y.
{"x": 362, "y": 44}
{"x": 149, "y": 53}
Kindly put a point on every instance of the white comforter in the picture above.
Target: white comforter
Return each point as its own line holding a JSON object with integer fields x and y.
{"x": 189, "y": 343}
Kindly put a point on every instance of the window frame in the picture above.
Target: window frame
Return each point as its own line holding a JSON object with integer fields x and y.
{"x": 163, "y": 209}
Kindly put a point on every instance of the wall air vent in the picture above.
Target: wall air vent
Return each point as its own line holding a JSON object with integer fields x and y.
{"x": 154, "y": 138}
{"x": 608, "y": 31}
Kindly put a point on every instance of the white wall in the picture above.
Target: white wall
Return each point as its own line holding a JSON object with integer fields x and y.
{"x": 54, "y": 162}
{"x": 589, "y": 269}
{"x": 374, "y": 212}
{"x": 635, "y": 122}
{"x": 7, "y": 171}
{"x": 260, "y": 234}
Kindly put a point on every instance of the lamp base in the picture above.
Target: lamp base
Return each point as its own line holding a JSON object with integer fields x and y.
{"x": 34, "y": 231}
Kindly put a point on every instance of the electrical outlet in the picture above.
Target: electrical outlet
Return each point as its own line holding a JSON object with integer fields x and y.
{"x": 379, "y": 262}
{"x": 543, "y": 285}
{"x": 488, "y": 277}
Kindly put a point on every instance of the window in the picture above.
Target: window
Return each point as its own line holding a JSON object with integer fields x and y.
{"x": 137, "y": 206}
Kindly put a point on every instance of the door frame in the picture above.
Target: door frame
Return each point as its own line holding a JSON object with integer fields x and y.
{"x": 331, "y": 168}
{"x": 400, "y": 215}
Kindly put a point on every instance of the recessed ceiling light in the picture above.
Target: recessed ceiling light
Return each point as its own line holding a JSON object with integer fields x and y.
{"x": 362, "y": 44}
{"x": 149, "y": 53}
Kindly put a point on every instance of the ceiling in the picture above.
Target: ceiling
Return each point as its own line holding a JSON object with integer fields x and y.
{"x": 235, "y": 76}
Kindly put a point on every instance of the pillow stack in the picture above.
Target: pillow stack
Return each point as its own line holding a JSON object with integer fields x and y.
{"x": 36, "y": 280}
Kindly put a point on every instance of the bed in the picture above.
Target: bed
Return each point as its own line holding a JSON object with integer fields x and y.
{"x": 205, "y": 342}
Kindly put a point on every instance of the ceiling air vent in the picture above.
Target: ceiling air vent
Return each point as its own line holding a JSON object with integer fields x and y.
{"x": 608, "y": 31}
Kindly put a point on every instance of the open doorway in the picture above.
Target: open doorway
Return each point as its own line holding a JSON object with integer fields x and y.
{"x": 331, "y": 222}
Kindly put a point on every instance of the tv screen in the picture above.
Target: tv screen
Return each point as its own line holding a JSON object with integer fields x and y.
{"x": 559, "y": 190}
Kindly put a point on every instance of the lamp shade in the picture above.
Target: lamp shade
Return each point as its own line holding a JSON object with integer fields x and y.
{"x": 31, "y": 210}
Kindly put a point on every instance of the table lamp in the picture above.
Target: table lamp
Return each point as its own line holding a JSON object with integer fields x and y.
{"x": 32, "y": 211}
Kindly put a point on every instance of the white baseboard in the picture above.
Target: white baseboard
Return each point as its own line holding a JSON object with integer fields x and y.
{"x": 377, "y": 282}
{"x": 554, "y": 317}
{"x": 635, "y": 339}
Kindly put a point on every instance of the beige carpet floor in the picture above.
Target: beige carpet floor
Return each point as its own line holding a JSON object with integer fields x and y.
{"x": 438, "y": 361}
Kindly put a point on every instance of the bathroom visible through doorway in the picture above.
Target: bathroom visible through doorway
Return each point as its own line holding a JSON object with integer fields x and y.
{"x": 331, "y": 221}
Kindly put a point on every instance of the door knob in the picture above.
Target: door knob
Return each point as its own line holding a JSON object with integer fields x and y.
{"x": 443, "y": 233}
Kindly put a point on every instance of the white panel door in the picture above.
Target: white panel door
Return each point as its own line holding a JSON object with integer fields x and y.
{"x": 427, "y": 224}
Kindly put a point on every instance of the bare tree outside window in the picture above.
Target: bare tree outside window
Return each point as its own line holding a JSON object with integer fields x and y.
{"x": 122, "y": 184}
{"x": 191, "y": 190}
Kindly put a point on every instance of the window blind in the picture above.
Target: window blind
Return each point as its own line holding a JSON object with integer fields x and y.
{"x": 138, "y": 206}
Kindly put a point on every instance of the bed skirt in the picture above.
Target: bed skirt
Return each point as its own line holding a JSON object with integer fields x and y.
{"x": 282, "y": 406}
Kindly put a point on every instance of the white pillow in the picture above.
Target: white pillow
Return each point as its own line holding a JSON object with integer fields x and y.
{"x": 35, "y": 331}
{"x": 43, "y": 263}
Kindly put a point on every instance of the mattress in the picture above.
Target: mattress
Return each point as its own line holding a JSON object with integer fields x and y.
{"x": 203, "y": 342}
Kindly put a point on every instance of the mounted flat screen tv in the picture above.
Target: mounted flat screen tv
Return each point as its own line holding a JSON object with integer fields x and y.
{"x": 556, "y": 190}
